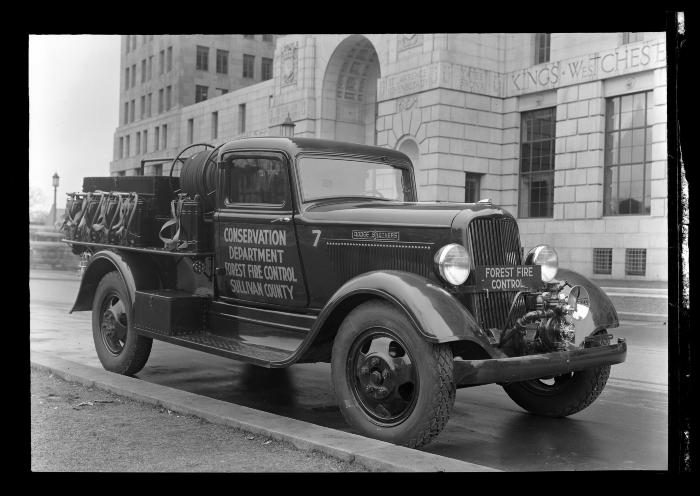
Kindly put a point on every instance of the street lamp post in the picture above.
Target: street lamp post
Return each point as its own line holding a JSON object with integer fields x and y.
{"x": 288, "y": 127}
{"x": 55, "y": 187}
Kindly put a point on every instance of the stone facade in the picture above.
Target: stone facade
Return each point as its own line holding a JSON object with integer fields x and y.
{"x": 454, "y": 104}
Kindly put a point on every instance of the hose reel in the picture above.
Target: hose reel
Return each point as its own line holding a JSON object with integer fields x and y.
{"x": 198, "y": 174}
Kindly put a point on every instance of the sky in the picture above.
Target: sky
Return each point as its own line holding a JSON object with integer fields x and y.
{"x": 73, "y": 110}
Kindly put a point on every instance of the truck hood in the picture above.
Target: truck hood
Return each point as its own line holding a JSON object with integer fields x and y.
{"x": 414, "y": 214}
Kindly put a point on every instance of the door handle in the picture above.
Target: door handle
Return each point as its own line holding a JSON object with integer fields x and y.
{"x": 281, "y": 219}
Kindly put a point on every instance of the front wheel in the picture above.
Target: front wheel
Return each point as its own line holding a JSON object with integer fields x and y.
{"x": 390, "y": 383}
{"x": 562, "y": 395}
{"x": 119, "y": 348}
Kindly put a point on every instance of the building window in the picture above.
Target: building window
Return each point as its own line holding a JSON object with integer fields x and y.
{"x": 132, "y": 111}
{"x": 145, "y": 142}
{"x": 200, "y": 93}
{"x": 127, "y": 152}
{"x": 126, "y": 112}
{"x": 471, "y": 187}
{"x": 138, "y": 171}
{"x": 137, "y": 148}
{"x": 150, "y": 67}
{"x": 143, "y": 106}
{"x": 168, "y": 97}
{"x": 202, "y": 58}
{"x": 635, "y": 262}
{"x": 128, "y": 44}
{"x": 160, "y": 100}
{"x": 165, "y": 136}
{"x": 537, "y": 137}
{"x": 542, "y": 41}
{"x": 632, "y": 37}
{"x": 248, "y": 66}
{"x": 222, "y": 91}
{"x": 627, "y": 155}
{"x": 222, "y": 61}
{"x": 156, "y": 137}
{"x": 249, "y": 36}
{"x": 266, "y": 69}
{"x": 169, "y": 61}
{"x": 602, "y": 261}
{"x": 121, "y": 173}
{"x": 133, "y": 75}
{"x": 158, "y": 170}
{"x": 267, "y": 37}
{"x": 241, "y": 118}
{"x": 214, "y": 125}
{"x": 190, "y": 131}
{"x": 149, "y": 102}
{"x": 126, "y": 77}
{"x": 143, "y": 71}
{"x": 144, "y": 38}
{"x": 121, "y": 148}
{"x": 133, "y": 42}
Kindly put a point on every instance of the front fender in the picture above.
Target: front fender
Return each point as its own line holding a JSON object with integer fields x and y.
{"x": 434, "y": 312}
{"x": 135, "y": 269}
{"x": 603, "y": 313}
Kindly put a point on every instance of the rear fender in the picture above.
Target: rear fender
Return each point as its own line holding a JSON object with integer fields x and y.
{"x": 602, "y": 313}
{"x": 137, "y": 272}
{"x": 434, "y": 313}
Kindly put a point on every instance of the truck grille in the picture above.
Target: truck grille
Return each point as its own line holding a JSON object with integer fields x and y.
{"x": 495, "y": 241}
{"x": 351, "y": 258}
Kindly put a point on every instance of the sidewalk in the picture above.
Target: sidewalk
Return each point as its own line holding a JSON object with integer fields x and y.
{"x": 84, "y": 429}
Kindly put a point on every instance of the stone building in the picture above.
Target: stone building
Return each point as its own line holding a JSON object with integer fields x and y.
{"x": 566, "y": 131}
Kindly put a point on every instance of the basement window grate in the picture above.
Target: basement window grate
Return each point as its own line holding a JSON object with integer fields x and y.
{"x": 602, "y": 261}
{"x": 635, "y": 261}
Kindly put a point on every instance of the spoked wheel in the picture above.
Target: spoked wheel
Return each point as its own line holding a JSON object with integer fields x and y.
{"x": 561, "y": 395}
{"x": 383, "y": 376}
{"x": 390, "y": 383}
{"x": 119, "y": 348}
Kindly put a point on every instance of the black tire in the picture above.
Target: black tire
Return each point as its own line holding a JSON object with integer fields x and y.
{"x": 411, "y": 380}
{"x": 119, "y": 348}
{"x": 560, "y": 396}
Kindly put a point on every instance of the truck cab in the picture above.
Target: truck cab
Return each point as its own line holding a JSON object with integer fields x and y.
{"x": 287, "y": 250}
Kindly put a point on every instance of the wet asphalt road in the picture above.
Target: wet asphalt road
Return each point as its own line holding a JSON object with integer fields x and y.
{"x": 626, "y": 428}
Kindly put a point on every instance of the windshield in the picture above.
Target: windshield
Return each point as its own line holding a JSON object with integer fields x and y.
{"x": 333, "y": 178}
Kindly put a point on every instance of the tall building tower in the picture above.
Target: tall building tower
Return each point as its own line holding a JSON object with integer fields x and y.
{"x": 161, "y": 74}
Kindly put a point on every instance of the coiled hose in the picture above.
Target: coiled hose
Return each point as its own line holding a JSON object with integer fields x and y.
{"x": 198, "y": 174}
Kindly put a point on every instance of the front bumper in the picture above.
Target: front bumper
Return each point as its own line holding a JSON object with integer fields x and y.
{"x": 524, "y": 368}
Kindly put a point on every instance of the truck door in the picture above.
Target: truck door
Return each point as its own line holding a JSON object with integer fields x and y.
{"x": 257, "y": 256}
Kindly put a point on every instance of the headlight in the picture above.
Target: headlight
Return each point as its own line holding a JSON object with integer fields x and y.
{"x": 546, "y": 257}
{"x": 453, "y": 263}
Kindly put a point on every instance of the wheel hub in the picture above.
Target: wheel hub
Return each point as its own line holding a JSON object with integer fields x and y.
{"x": 385, "y": 379}
{"x": 114, "y": 324}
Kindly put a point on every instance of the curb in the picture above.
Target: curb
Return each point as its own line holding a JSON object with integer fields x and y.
{"x": 643, "y": 317}
{"x": 378, "y": 456}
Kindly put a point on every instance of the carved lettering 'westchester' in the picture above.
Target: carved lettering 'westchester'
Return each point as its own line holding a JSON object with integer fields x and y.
{"x": 625, "y": 59}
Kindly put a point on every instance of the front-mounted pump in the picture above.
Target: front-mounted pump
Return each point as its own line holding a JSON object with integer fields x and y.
{"x": 276, "y": 251}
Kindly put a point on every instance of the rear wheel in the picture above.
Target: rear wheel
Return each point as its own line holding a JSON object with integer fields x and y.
{"x": 119, "y": 348}
{"x": 390, "y": 383}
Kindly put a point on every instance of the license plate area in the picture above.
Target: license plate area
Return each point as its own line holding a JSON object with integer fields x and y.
{"x": 508, "y": 277}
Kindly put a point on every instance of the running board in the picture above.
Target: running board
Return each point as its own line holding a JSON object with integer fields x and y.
{"x": 223, "y": 346}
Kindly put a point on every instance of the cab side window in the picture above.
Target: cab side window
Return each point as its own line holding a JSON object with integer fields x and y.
{"x": 257, "y": 180}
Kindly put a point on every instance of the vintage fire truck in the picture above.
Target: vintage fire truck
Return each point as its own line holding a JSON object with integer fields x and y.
{"x": 276, "y": 251}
